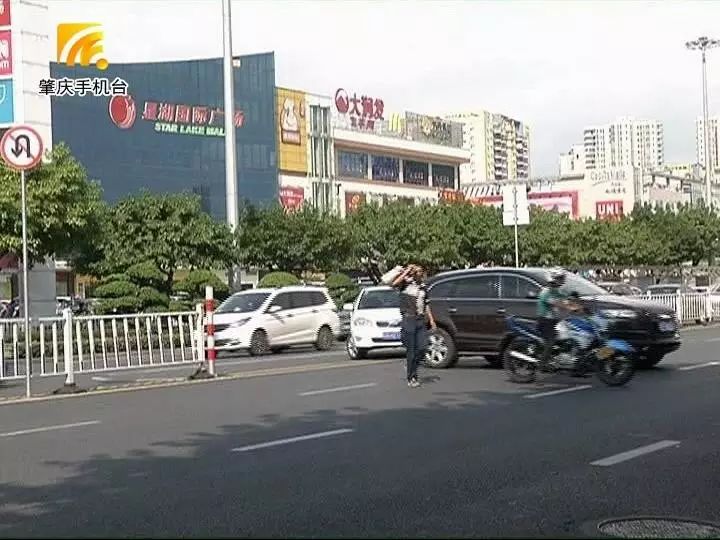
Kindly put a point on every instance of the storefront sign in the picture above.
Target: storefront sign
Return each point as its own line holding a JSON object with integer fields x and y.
{"x": 292, "y": 132}
{"x": 386, "y": 169}
{"x": 292, "y": 198}
{"x": 6, "y": 63}
{"x": 363, "y": 111}
{"x": 6, "y": 102}
{"x": 449, "y": 196}
{"x": 610, "y": 181}
{"x": 608, "y": 209}
{"x": 4, "y": 12}
{"x": 353, "y": 201}
{"x": 434, "y": 130}
{"x": 563, "y": 202}
{"x": 415, "y": 172}
{"x": 181, "y": 119}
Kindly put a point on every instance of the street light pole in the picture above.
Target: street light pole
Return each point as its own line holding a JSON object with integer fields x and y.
{"x": 702, "y": 44}
{"x": 231, "y": 195}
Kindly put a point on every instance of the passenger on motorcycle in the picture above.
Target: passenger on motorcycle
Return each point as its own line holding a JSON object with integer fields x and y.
{"x": 550, "y": 301}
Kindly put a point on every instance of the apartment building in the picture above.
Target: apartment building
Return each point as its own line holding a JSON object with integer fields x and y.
{"x": 499, "y": 147}
{"x": 714, "y": 145}
{"x": 573, "y": 162}
{"x": 626, "y": 142}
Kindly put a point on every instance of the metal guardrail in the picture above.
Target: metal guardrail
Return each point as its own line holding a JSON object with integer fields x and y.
{"x": 101, "y": 343}
{"x": 689, "y": 308}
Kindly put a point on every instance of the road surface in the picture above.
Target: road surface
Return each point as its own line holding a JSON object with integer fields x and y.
{"x": 354, "y": 452}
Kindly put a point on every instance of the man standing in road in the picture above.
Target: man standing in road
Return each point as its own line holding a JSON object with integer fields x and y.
{"x": 416, "y": 317}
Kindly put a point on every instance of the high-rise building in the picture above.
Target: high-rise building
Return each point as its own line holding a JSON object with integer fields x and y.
{"x": 714, "y": 146}
{"x": 572, "y": 163}
{"x": 499, "y": 147}
{"x": 623, "y": 143}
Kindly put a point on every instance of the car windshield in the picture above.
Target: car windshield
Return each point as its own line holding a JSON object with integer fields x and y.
{"x": 380, "y": 299}
{"x": 243, "y": 303}
{"x": 582, "y": 286}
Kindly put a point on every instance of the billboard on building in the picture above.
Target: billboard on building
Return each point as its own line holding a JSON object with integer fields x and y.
{"x": 6, "y": 62}
{"x": 7, "y": 115}
{"x": 433, "y": 130}
{"x": 4, "y": 12}
{"x": 292, "y": 130}
{"x": 353, "y": 201}
{"x": 167, "y": 135}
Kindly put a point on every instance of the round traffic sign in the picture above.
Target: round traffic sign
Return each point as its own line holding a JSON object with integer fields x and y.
{"x": 21, "y": 147}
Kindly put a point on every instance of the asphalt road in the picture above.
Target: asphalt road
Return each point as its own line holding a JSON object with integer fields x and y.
{"x": 356, "y": 453}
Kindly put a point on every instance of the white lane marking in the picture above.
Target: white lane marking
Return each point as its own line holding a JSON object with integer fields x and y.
{"x": 279, "y": 442}
{"x": 712, "y": 340}
{"x": 101, "y": 379}
{"x": 337, "y": 389}
{"x": 221, "y": 363}
{"x": 698, "y": 366}
{"x": 48, "y": 428}
{"x": 631, "y": 454}
{"x": 561, "y": 391}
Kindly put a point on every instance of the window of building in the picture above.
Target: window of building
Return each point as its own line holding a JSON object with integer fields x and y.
{"x": 352, "y": 164}
{"x": 415, "y": 172}
{"x": 385, "y": 168}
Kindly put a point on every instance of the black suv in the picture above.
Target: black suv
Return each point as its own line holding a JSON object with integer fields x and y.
{"x": 470, "y": 307}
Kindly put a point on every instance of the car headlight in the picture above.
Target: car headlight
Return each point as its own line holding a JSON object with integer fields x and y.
{"x": 619, "y": 313}
{"x": 238, "y": 323}
{"x": 361, "y": 321}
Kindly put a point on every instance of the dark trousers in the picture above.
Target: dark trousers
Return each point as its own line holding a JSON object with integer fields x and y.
{"x": 546, "y": 327}
{"x": 414, "y": 337}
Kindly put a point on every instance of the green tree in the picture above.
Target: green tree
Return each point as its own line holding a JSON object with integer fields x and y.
{"x": 195, "y": 282}
{"x": 297, "y": 242}
{"x": 65, "y": 211}
{"x": 169, "y": 230}
{"x": 342, "y": 289}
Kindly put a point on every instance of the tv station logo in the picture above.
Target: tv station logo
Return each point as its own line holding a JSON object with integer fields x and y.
{"x": 82, "y": 45}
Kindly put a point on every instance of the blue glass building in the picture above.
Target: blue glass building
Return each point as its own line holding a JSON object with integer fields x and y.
{"x": 167, "y": 137}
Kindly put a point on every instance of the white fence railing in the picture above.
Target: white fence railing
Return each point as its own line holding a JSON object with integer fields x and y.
{"x": 100, "y": 343}
{"x": 690, "y": 308}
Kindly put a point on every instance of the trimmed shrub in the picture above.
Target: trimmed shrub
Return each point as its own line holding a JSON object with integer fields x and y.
{"x": 279, "y": 279}
{"x": 117, "y": 289}
{"x": 153, "y": 298}
{"x": 114, "y": 277}
{"x": 195, "y": 282}
{"x": 147, "y": 274}
{"x": 125, "y": 304}
{"x": 342, "y": 288}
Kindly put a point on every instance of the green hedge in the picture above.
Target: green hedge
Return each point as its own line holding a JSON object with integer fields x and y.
{"x": 279, "y": 279}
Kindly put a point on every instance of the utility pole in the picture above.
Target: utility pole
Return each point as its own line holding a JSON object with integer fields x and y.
{"x": 702, "y": 44}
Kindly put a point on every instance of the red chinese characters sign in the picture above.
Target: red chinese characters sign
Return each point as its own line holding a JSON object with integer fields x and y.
{"x": 363, "y": 111}
{"x": 6, "y": 60}
{"x": 4, "y": 12}
{"x": 189, "y": 119}
{"x": 292, "y": 198}
{"x": 353, "y": 201}
{"x": 608, "y": 209}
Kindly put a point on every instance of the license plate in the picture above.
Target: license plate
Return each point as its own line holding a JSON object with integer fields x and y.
{"x": 391, "y": 336}
{"x": 667, "y": 326}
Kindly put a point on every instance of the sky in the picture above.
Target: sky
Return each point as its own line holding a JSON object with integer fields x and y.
{"x": 555, "y": 65}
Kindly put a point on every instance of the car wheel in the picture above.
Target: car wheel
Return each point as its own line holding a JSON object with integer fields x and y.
{"x": 325, "y": 339}
{"x": 649, "y": 360}
{"x": 353, "y": 351}
{"x": 259, "y": 343}
{"x": 441, "y": 352}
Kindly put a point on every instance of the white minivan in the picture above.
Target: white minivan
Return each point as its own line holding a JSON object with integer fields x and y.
{"x": 269, "y": 320}
{"x": 374, "y": 322}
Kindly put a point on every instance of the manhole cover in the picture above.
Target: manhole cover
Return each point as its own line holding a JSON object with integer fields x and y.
{"x": 657, "y": 527}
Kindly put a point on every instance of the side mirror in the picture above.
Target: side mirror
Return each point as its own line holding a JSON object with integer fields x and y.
{"x": 532, "y": 295}
{"x": 348, "y": 307}
{"x": 274, "y": 308}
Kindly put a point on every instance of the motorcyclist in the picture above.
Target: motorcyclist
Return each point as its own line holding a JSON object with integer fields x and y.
{"x": 550, "y": 300}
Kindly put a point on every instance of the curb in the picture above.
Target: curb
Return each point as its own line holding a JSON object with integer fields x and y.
{"x": 184, "y": 381}
{"x": 700, "y": 327}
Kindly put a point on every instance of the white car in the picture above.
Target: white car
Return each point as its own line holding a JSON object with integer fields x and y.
{"x": 374, "y": 322}
{"x": 269, "y": 320}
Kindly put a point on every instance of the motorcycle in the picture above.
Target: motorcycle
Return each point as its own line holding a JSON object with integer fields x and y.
{"x": 581, "y": 346}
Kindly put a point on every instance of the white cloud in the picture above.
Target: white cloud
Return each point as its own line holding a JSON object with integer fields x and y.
{"x": 556, "y": 65}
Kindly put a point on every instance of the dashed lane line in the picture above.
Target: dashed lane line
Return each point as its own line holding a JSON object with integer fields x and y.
{"x": 337, "y": 389}
{"x": 279, "y": 442}
{"x": 698, "y": 366}
{"x": 556, "y": 392}
{"x": 632, "y": 454}
{"x": 48, "y": 428}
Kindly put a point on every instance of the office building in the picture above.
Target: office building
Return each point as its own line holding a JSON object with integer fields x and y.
{"x": 626, "y": 142}
{"x": 573, "y": 161}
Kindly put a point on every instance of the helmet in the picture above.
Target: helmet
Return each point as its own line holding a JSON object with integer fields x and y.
{"x": 557, "y": 277}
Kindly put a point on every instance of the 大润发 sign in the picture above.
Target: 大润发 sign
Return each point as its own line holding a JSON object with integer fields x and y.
{"x": 362, "y": 111}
